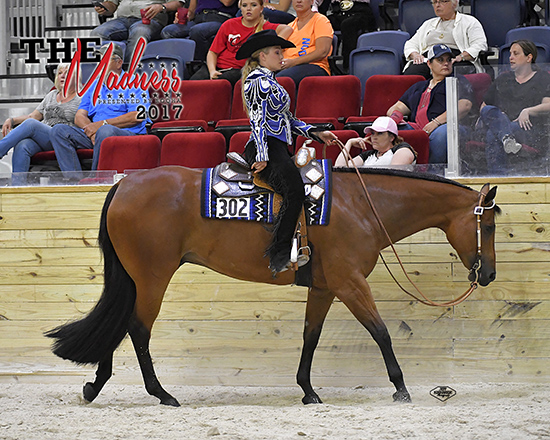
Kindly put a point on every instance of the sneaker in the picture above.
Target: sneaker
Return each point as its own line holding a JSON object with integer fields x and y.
{"x": 510, "y": 144}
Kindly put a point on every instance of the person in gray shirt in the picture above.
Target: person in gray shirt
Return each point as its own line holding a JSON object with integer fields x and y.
{"x": 30, "y": 134}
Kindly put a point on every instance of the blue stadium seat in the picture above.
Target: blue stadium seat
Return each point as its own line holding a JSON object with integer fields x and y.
{"x": 498, "y": 17}
{"x": 537, "y": 34}
{"x": 412, "y": 13}
{"x": 540, "y": 35}
{"x": 374, "y": 60}
{"x": 392, "y": 39}
{"x": 172, "y": 52}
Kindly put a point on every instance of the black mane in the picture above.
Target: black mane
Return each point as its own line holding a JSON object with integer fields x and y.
{"x": 402, "y": 173}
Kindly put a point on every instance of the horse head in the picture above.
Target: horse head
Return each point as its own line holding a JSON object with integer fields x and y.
{"x": 473, "y": 236}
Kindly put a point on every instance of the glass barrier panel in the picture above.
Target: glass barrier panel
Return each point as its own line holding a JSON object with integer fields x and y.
{"x": 58, "y": 178}
{"x": 501, "y": 134}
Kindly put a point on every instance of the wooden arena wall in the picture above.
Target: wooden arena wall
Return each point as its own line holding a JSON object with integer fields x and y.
{"x": 216, "y": 330}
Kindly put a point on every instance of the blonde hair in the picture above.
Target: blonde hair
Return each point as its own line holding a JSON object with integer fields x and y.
{"x": 251, "y": 63}
{"x": 262, "y": 21}
{"x": 62, "y": 66}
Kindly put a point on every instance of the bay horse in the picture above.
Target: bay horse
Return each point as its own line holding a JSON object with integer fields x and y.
{"x": 151, "y": 224}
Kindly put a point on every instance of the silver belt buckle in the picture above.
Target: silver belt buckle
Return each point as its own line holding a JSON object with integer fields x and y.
{"x": 346, "y": 5}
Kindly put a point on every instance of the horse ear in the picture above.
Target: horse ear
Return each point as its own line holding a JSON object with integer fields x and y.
{"x": 485, "y": 189}
{"x": 490, "y": 196}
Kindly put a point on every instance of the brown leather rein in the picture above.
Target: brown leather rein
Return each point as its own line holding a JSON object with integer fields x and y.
{"x": 478, "y": 212}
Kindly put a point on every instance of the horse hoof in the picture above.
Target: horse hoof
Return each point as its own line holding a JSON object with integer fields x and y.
{"x": 311, "y": 398}
{"x": 402, "y": 396}
{"x": 89, "y": 392}
{"x": 170, "y": 401}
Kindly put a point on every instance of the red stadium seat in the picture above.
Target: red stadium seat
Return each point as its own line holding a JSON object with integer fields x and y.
{"x": 193, "y": 150}
{"x": 480, "y": 83}
{"x": 420, "y": 141}
{"x": 381, "y": 92}
{"x": 161, "y": 129}
{"x": 47, "y": 158}
{"x": 332, "y": 151}
{"x": 208, "y": 100}
{"x": 328, "y": 100}
{"x": 129, "y": 153}
{"x": 239, "y": 119}
{"x": 238, "y": 141}
{"x": 197, "y": 103}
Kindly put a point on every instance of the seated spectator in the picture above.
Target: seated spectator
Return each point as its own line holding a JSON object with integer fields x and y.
{"x": 425, "y": 103}
{"x": 352, "y": 18}
{"x": 516, "y": 110}
{"x": 462, "y": 33}
{"x": 220, "y": 61}
{"x": 204, "y": 18}
{"x": 389, "y": 149}
{"x": 129, "y": 26}
{"x": 114, "y": 114}
{"x": 30, "y": 134}
{"x": 312, "y": 35}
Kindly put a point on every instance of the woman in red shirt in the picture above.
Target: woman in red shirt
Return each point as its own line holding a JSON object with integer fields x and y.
{"x": 220, "y": 60}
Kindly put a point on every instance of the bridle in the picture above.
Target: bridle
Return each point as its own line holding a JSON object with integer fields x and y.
{"x": 476, "y": 266}
{"x": 478, "y": 212}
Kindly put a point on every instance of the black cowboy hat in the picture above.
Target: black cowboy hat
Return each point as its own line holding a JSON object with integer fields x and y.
{"x": 259, "y": 40}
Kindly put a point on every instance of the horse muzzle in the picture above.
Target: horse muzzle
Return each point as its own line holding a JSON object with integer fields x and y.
{"x": 482, "y": 274}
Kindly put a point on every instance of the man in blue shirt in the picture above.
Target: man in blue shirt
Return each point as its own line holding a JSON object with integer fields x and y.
{"x": 115, "y": 113}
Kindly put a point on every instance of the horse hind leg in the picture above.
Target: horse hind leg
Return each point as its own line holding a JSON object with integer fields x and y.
{"x": 103, "y": 374}
{"x": 141, "y": 336}
{"x": 358, "y": 299}
{"x": 318, "y": 305}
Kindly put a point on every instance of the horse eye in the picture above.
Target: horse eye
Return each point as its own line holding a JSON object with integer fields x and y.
{"x": 489, "y": 228}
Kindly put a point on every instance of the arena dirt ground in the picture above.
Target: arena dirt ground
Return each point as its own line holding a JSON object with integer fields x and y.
{"x": 477, "y": 411}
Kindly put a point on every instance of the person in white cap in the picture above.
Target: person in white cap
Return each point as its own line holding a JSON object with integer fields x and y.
{"x": 388, "y": 148}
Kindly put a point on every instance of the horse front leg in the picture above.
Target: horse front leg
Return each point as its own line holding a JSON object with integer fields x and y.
{"x": 357, "y": 297}
{"x": 102, "y": 375}
{"x": 318, "y": 305}
{"x": 141, "y": 336}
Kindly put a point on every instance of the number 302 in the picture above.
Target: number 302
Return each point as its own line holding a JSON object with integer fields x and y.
{"x": 232, "y": 207}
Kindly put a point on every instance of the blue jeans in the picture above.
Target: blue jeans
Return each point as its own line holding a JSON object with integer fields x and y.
{"x": 438, "y": 141}
{"x": 176, "y": 30}
{"x": 27, "y": 139}
{"x": 66, "y": 140}
{"x": 299, "y": 72}
{"x": 203, "y": 34}
{"x": 130, "y": 29}
{"x": 276, "y": 16}
{"x": 499, "y": 125}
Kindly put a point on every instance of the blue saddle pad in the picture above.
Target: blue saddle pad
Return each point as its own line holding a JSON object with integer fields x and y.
{"x": 226, "y": 196}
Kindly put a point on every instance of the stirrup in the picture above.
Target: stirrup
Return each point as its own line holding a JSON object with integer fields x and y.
{"x": 298, "y": 256}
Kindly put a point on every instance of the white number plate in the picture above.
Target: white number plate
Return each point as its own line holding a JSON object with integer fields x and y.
{"x": 232, "y": 207}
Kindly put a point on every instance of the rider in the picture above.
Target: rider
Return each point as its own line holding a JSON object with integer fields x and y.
{"x": 272, "y": 123}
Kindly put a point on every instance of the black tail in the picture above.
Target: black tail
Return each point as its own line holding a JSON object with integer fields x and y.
{"x": 92, "y": 338}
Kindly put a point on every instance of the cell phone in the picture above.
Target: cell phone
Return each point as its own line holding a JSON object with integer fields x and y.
{"x": 99, "y": 5}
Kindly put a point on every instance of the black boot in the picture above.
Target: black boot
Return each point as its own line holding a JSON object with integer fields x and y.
{"x": 279, "y": 260}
